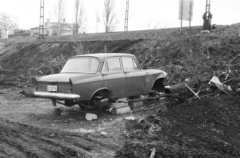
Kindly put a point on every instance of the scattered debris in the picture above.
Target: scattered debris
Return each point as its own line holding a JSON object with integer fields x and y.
{"x": 195, "y": 93}
{"x": 90, "y": 117}
{"x": 27, "y": 94}
{"x": 122, "y": 110}
{"x": 113, "y": 106}
{"x": 57, "y": 111}
{"x": 104, "y": 133}
{"x": 65, "y": 113}
{"x": 203, "y": 128}
{"x": 82, "y": 130}
{"x": 153, "y": 153}
{"x": 119, "y": 107}
{"x": 2, "y": 77}
{"x": 130, "y": 118}
{"x": 216, "y": 82}
{"x": 76, "y": 108}
{"x": 137, "y": 104}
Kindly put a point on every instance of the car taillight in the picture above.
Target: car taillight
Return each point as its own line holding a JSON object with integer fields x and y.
{"x": 70, "y": 85}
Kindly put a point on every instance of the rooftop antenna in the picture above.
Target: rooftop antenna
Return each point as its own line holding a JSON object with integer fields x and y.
{"x": 41, "y": 20}
{"x": 126, "y": 16}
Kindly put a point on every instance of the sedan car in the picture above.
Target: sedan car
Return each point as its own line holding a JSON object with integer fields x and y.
{"x": 88, "y": 78}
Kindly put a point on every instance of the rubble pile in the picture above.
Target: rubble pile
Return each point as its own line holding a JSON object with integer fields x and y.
{"x": 203, "y": 128}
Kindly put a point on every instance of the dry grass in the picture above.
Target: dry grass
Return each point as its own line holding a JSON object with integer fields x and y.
{"x": 132, "y": 35}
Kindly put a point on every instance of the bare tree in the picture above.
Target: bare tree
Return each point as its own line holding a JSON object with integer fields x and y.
{"x": 109, "y": 15}
{"x": 60, "y": 13}
{"x": 7, "y": 25}
{"x": 80, "y": 18}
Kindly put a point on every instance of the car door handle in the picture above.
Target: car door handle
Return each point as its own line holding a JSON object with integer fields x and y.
{"x": 126, "y": 72}
{"x": 104, "y": 74}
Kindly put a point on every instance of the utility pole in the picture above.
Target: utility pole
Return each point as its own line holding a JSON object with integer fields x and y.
{"x": 41, "y": 20}
{"x": 181, "y": 14}
{"x": 207, "y": 17}
{"x": 190, "y": 14}
{"x": 126, "y": 16}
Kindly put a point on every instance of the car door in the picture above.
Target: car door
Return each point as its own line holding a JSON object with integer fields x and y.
{"x": 114, "y": 77}
{"x": 136, "y": 78}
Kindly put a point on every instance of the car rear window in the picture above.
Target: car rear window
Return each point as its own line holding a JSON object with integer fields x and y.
{"x": 82, "y": 65}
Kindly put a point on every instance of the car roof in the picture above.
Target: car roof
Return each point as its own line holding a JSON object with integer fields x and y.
{"x": 103, "y": 56}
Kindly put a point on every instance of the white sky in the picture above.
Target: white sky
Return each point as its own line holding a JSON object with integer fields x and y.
{"x": 143, "y": 14}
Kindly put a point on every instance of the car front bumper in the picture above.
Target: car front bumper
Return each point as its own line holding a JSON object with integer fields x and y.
{"x": 61, "y": 96}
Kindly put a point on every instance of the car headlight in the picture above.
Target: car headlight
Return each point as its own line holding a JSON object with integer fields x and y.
{"x": 164, "y": 73}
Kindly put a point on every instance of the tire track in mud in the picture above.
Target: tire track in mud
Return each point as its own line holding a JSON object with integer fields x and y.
{"x": 20, "y": 140}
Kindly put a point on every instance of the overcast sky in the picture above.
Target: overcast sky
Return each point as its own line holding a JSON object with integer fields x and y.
{"x": 143, "y": 14}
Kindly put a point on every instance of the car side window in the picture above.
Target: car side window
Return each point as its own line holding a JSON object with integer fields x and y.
{"x": 112, "y": 65}
{"x": 129, "y": 64}
{"x": 105, "y": 67}
{"x": 135, "y": 65}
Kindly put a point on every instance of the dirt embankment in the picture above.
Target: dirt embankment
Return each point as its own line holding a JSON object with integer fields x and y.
{"x": 183, "y": 55}
{"x": 21, "y": 61}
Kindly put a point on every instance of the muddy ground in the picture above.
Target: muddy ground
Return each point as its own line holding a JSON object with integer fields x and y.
{"x": 196, "y": 128}
{"x": 30, "y": 128}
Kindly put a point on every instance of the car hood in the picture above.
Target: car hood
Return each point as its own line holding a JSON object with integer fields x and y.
{"x": 63, "y": 77}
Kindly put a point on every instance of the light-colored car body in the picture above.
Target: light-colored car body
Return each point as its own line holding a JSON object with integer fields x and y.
{"x": 90, "y": 76}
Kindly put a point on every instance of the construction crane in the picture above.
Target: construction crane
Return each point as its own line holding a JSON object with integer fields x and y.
{"x": 41, "y": 20}
{"x": 126, "y": 16}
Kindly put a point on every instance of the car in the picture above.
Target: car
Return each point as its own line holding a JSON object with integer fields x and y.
{"x": 89, "y": 79}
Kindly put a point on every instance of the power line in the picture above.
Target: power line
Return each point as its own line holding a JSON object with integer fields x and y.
{"x": 126, "y": 16}
{"x": 41, "y": 20}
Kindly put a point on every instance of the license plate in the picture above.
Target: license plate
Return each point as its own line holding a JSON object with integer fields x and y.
{"x": 51, "y": 88}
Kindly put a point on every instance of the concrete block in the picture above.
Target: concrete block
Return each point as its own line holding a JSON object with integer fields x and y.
{"x": 122, "y": 110}
{"x": 65, "y": 113}
{"x": 122, "y": 99}
{"x": 91, "y": 117}
{"x": 118, "y": 105}
{"x": 135, "y": 104}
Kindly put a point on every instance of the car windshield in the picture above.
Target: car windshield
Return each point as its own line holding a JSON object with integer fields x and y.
{"x": 82, "y": 65}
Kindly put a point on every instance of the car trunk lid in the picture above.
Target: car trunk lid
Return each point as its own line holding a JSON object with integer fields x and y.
{"x": 56, "y": 82}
